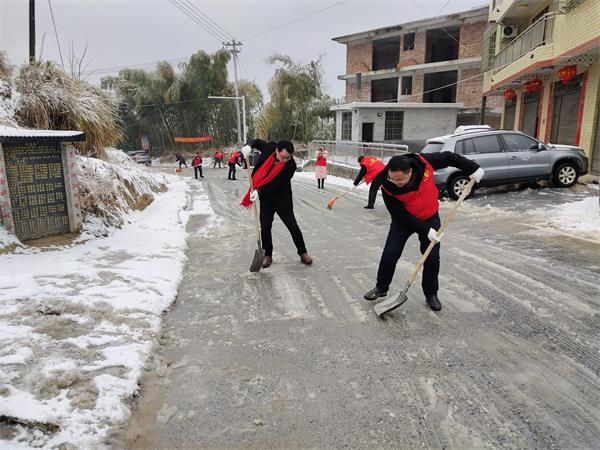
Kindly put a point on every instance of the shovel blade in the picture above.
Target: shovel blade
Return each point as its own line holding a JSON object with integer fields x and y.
{"x": 259, "y": 255}
{"x": 390, "y": 304}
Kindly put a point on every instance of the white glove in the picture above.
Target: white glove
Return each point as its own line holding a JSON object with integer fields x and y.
{"x": 254, "y": 195}
{"x": 433, "y": 236}
{"x": 246, "y": 149}
{"x": 477, "y": 175}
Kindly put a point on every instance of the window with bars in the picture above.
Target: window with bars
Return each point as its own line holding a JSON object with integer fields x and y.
{"x": 346, "y": 126}
{"x": 394, "y": 123}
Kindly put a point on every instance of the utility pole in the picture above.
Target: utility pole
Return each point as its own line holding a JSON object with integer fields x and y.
{"x": 31, "y": 31}
{"x": 234, "y": 51}
{"x": 237, "y": 99}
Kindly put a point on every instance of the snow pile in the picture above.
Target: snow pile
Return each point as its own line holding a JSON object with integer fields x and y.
{"x": 77, "y": 323}
{"x": 110, "y": 189}
{"x": 7, "y": 104}
{"x": 580, "y": 217}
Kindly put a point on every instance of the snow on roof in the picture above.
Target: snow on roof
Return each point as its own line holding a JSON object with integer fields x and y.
{"x": 12, "y": 134}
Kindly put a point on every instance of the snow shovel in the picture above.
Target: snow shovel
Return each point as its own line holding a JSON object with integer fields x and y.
{"x": 390, "y": 304}
{"x": 259, "y": 253}
{"x": 334, "y": 199}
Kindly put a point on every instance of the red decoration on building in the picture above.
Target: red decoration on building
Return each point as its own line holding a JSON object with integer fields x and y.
{"x": 533, "y": 85}
{"x": 509, "y": 93}
{"x": 567, "y": 73}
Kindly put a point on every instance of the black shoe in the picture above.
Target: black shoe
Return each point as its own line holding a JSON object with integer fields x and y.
{"x": 433, "y": 302}
{"x": 369, "y": 207}
{"x": 374, "y": 294}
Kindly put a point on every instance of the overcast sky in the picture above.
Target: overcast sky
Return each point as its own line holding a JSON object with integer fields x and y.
{"x": 129, "y": 32}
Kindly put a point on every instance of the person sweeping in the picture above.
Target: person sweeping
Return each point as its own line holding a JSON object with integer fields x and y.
{"x": 271, "y": 178}
{"x": 371, "y": 169}
{"x": 411, "y": 197}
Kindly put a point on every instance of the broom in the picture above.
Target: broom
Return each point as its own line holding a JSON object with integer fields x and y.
{"x": 334, "y": 199}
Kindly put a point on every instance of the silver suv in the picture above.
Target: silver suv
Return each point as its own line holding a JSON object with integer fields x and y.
{"x": 507, "y": 157}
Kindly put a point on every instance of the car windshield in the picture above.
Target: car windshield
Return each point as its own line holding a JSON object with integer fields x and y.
{"x": 432, "y": 147}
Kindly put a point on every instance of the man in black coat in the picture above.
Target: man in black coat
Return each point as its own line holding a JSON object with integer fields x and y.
{"x": 411, "y": 197}
{"x": 276, "y": 195}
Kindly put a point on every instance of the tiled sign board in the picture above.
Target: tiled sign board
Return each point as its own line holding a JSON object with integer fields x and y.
{"x": 36, "y": 183}
{"x": 39, "y": 192}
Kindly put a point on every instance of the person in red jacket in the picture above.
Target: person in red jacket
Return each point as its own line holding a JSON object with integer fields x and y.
{"x": 197, "y": 165}
{"x": 233, "y": 160}
{"x": 411, "y": 197}
{"x": 321, "y": 167}
{"x": 371, "y": 169}
{"x": 218, "y": 159}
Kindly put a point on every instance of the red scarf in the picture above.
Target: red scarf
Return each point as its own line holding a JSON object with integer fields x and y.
{"x": 260, "y": 177}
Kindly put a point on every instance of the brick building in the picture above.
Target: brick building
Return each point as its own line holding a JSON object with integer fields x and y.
{"x": 426, "y": 73}
{"x": 543, "y": 57}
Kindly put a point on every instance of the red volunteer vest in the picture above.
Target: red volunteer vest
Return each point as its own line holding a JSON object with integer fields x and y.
{"x": 373, "y": 166}
{"x": 422, "y": 203}
{"x": 321, "y": 161}
{"x": 233, "y": 158}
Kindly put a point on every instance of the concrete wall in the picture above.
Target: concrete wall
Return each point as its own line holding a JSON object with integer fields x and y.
{"x": 420, "y": 124}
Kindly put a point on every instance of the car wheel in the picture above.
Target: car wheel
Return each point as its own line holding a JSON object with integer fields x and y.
{"x": 456, "y": 186}
{"x": 565, "y": 175}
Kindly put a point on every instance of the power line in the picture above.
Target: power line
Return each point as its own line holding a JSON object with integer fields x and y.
{"x": 56, "y": 34}
{"x": 295, "y": 20}
{"x": 185, "y": 9}
{"x": 216, "y": 25}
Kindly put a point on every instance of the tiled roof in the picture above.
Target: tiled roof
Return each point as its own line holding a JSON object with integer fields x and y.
{"x": 12, "y": 134}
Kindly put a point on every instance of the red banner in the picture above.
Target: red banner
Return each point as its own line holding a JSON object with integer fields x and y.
{"x": 194, "y": 139}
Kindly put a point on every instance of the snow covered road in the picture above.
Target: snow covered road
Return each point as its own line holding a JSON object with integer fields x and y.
{"x": 292, "y": 357}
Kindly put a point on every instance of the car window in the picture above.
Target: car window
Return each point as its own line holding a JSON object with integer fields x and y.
{"x": 517, "y": 142}
{"x": 432, "y": 147}
{"x": 465, "y": 147}
{"x": 486, "y": 144}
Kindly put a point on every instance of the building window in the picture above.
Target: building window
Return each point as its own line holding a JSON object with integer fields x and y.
{"x": 384, "y": 90}
{"x": 406, "y": 85}
{"x": 394, "y": 122}
{"x": 440, "y": 87}
{"x": 386, "y": 53}
{"x": 409, "y": 41}
{"x": 442, "y": 44}
{"x": 346, "y": 126}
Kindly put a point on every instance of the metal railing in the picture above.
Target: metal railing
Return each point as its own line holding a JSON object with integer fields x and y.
{"x": 538, "y": 33}
{"x": 347, "y": 152}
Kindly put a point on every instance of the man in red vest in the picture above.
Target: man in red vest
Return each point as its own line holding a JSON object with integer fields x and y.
{"x": 411, "y": 197}
{"x": 271, "y": 178}
{"x": 233, "y": 160}
{"x": 371, "y": 169}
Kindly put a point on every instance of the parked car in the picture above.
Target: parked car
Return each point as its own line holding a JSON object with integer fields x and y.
{"x": 507, "y": 157}
{"x": 140, "y": 157}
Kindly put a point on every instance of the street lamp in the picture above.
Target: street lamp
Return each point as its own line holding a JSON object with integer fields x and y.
{"x": 243, "y": 98}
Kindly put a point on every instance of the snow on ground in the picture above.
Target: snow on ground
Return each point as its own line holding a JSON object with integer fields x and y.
{"x": 579, "y": 217}
{"x": 77, "y": 323}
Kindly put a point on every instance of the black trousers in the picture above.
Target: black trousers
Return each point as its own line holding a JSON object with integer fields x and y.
{"x": 198, "y": 171}
{"x": 285, "y": 211}
{"x": 182, "y": 162}
{"x": 375, "y": 185}
{"x": 231, "y": 174}
{"x": 397, "y": 237}
{"x": 215, "y": 163}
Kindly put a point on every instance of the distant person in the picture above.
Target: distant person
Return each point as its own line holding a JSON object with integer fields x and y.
{"x": 218, "y": 159}
{"x": 371, "y": 169}
{"x": 234, "y": 159}
{"x": 180, "y": 159}
{"x": 197, "y": 165}
{"x": 321, "y": 167}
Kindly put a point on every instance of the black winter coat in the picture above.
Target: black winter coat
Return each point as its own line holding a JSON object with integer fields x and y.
{"x": 279, "y": 190}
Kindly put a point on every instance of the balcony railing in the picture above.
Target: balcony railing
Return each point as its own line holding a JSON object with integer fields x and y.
{"x": 538, "y": 33}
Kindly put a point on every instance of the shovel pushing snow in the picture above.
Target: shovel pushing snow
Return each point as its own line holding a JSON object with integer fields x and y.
{"x": 259, "y": 253}
{"x": 386, "y": 306}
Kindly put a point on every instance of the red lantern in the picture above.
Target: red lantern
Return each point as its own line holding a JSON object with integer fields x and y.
{"x": 509, "y": 93}
{"x": 533, "y": 85}
{"x": 567, "y": 73}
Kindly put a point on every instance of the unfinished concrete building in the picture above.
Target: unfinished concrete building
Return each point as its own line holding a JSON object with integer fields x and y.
{"x": 413, "y": 81}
